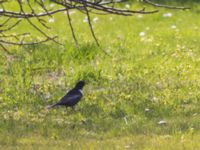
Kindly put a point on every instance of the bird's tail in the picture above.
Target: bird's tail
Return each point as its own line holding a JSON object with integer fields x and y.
{"x": 51, "y": 106}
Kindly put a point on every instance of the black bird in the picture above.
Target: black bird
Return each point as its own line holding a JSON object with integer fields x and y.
{"x": 72, "y": 97}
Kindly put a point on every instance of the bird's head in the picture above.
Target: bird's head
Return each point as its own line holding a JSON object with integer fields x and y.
{"x": 80, "y": 85}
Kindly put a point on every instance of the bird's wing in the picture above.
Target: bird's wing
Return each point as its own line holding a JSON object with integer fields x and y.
{"x": 71, "y": 96}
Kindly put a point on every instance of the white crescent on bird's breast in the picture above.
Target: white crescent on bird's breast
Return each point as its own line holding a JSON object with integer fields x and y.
{"x": 81, "y": 92}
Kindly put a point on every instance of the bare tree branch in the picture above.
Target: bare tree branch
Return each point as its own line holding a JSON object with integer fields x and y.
{"x": 4, "y": 23}
{"x": 165, "y": 6}
{"x": 5, "y": 49}
{"x": 35, "y": 26}
{"x": 12, "y": 18}
{"x": 39, "y": 20}
{"x": 25, "y": 43}
{"x": 91, "y": 27}
{"x": 71, "y": 27}
{"x": 12, "y": 26}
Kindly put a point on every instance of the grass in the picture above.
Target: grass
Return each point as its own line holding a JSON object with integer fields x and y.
{"x": 128, "y": 75}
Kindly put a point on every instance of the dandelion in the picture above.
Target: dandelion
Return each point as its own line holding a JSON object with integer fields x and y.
{"x": 167, "y": 136}
{"x": 195, "y": 114}
{"x": 51, "y": 20}
{"x": 167, "y": 15}
{"x": 127, "y": 146}
{"x": 85, "y": 19}
{"x": 173, "y": 26}
{"x": 6, "y": 116}
{"x": 142, "y": 34}
{"x": 162, "y": 122}
{"x": 127, "y": 6}
{"x": 191, "y": 129}
{"x": 155, "y": 99}
{"x": 140, "y": 16}
{"x": 125, "y": 120}
{"x": 72, "y": 12}
{"x": 95, "y": 19}
{"x": 52, "y": 5}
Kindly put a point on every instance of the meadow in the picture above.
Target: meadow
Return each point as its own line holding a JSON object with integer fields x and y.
{"x": 142, "y": 92}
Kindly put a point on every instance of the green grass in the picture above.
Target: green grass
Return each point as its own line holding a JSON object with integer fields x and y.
{"x": 128, "y": 74}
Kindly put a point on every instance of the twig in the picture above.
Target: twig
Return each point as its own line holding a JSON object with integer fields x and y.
{"x": 39, "y": 20}
{"x": 35, "y": 26}
{"x": 5, "y": 49}
{"x": 71, "y": 27}
{"x": 25, "y": 43}
{"x": 13, "y": 14}
{"x": 12, "y": 26}
{"x": 4, "y": 23}
{"x": 165, "y": 6}
{"x": 91, "y": 27}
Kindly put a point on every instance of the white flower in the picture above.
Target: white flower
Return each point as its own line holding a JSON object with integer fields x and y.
{"x": 162, "y": 122}
{"x": 51, "y": 20}
{"x": 195, "y": 114}
{"x": 127, "y": 6}
{"x": 142, "y": 34}
{"x": 173, "y": 26}
{"x": 52, "y": 5}
{"x": 147, "y": 109}
{"x": 95, "y": 19}
{"x": 154, "y": 98}
{"x": 71, "y": 12}
{"x": 140, "y": 16}
{"x": 85, "y": 19}
{"x": 125, "y": 120}
{"x": 127, "y": 146}
{"x": 167, "y": 15}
